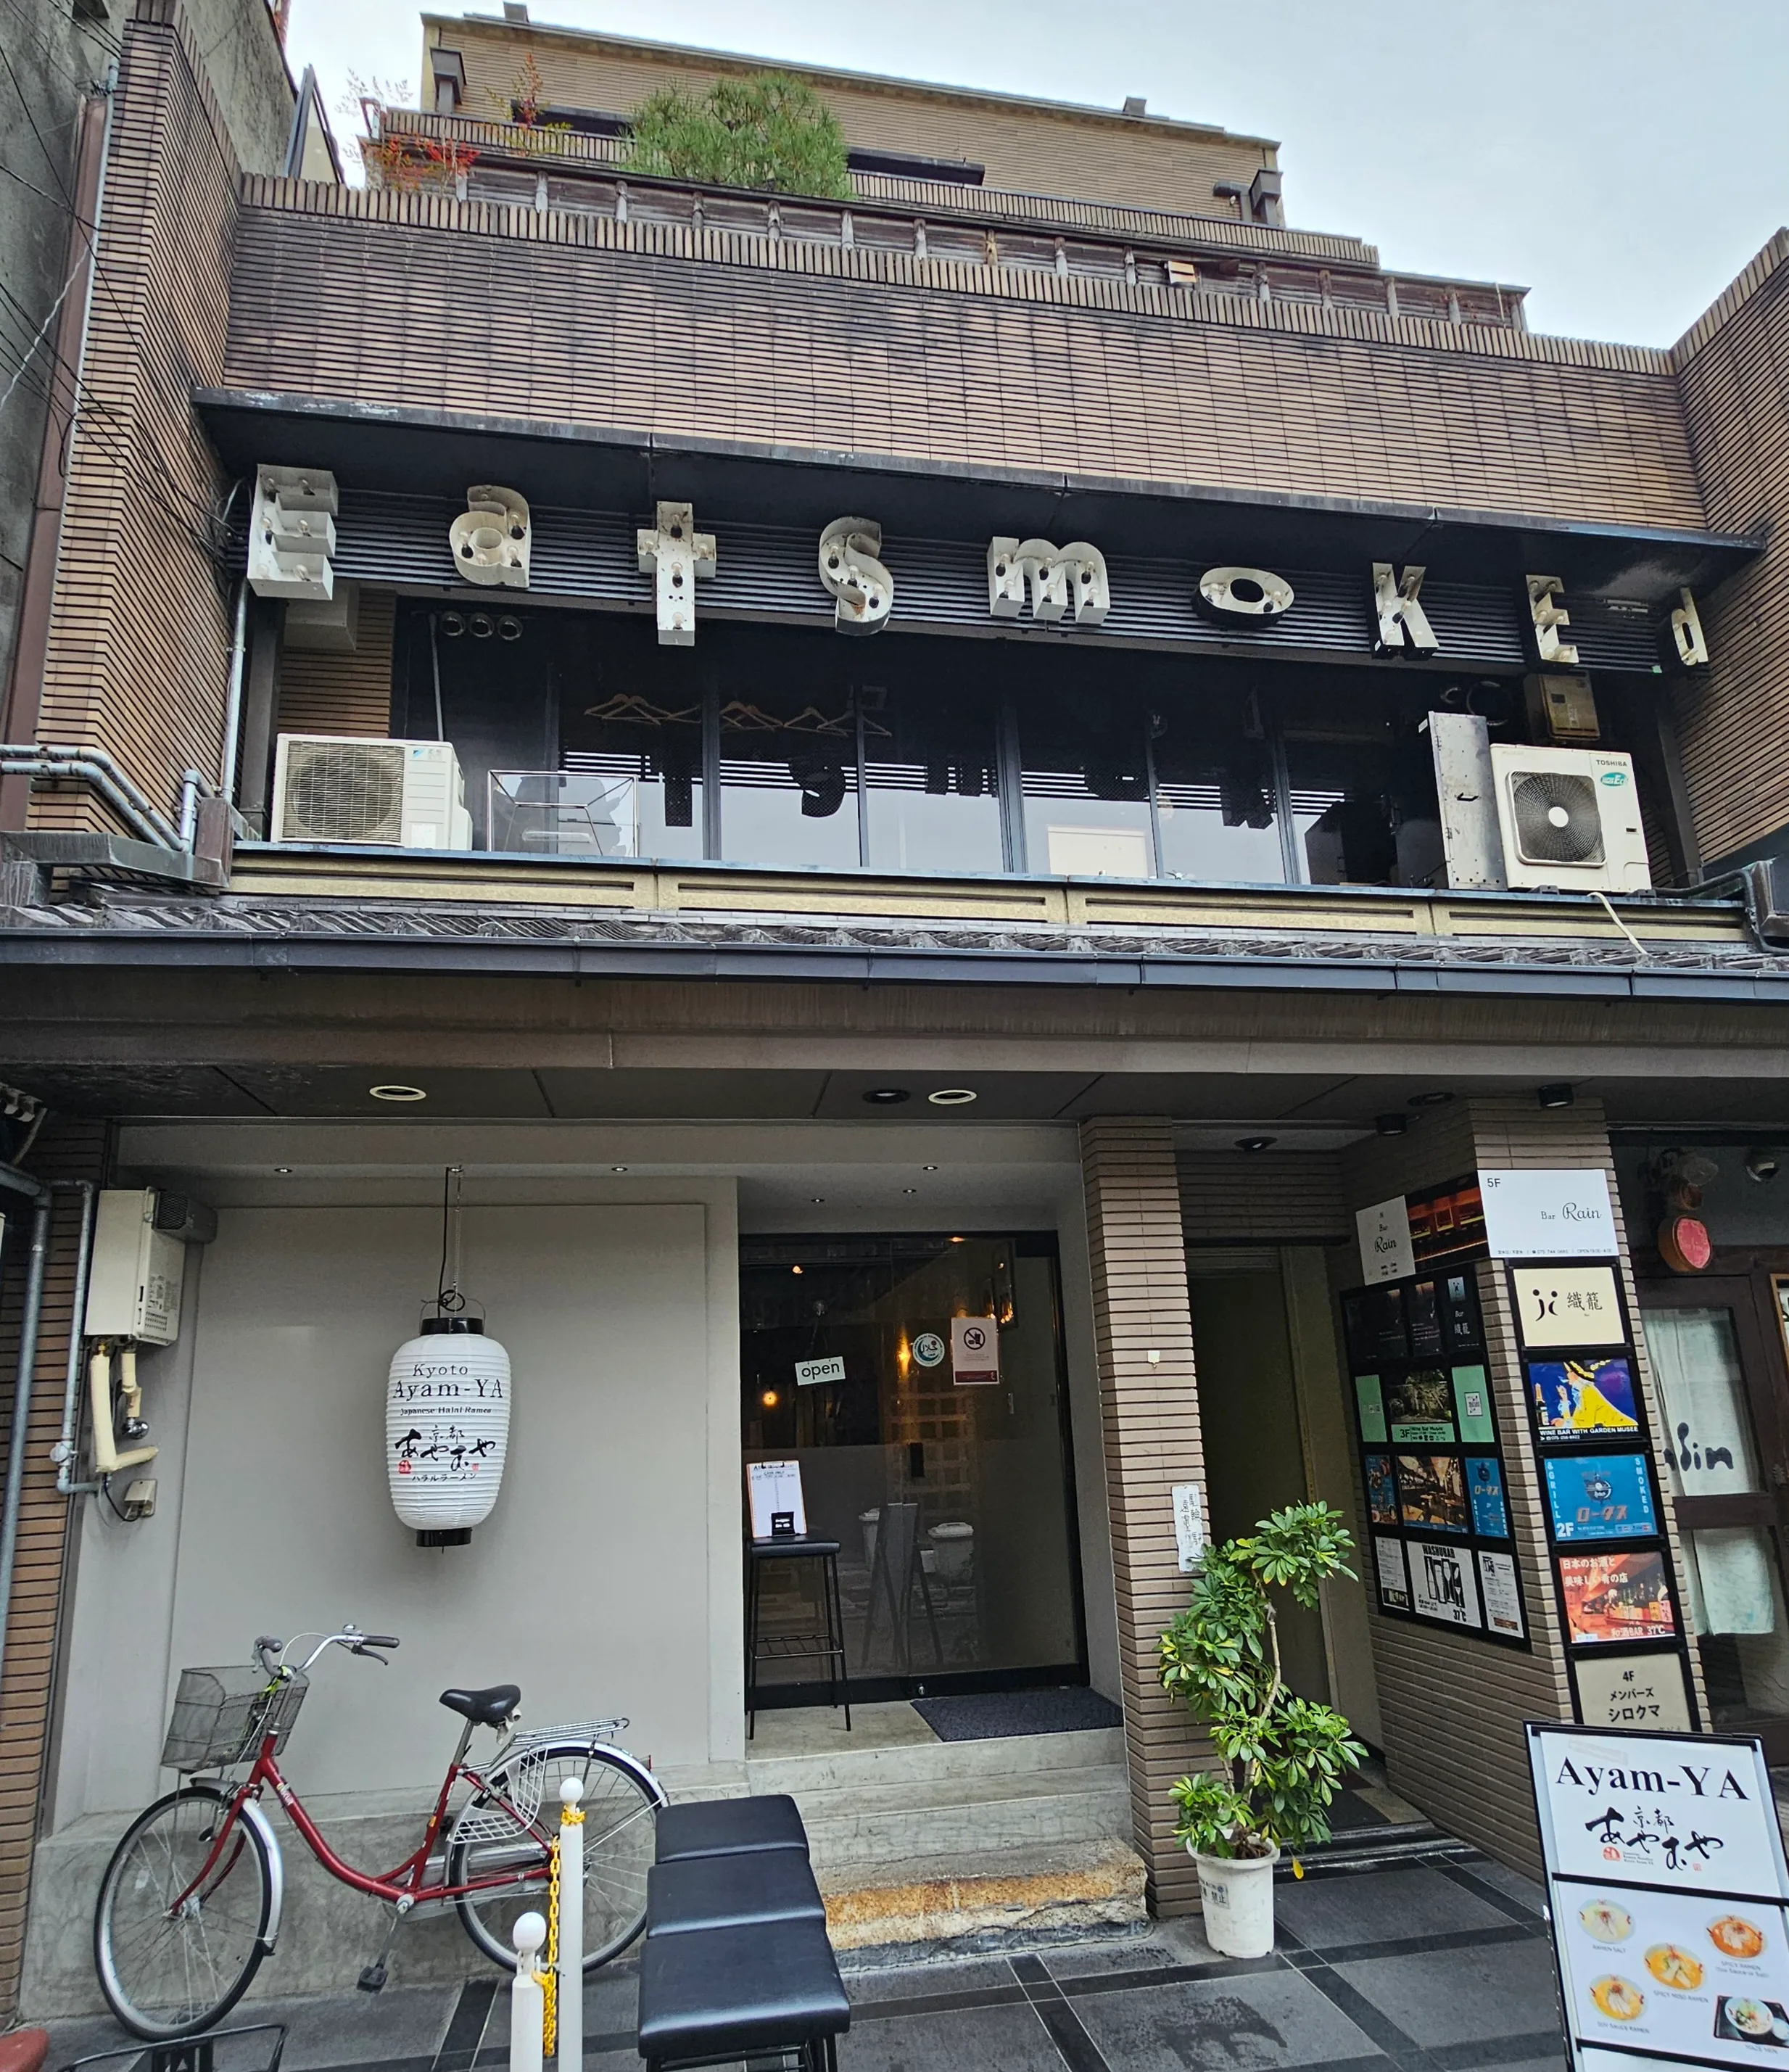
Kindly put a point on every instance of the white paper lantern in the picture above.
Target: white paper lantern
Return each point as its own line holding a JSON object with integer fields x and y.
{"x": 447, "y": 1429}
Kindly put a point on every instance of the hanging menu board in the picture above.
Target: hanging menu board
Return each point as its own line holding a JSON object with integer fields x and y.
{"x": 1620, "y": 1610}
{"x": 1669, "y": 1895}
{"x": 1431, "y": 1461}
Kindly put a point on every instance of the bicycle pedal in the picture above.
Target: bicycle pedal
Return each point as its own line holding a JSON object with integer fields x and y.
{"x": 373, "y": 1979}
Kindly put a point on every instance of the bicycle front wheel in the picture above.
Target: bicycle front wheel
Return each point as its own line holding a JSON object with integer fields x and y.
{"x": 175, "y": 1942}
{"x": 491, "y": 1840}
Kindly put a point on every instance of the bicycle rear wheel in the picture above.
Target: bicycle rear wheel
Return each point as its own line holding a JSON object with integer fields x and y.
{"x": 170, "y": 1965}
{"x": 619, "y": 1830}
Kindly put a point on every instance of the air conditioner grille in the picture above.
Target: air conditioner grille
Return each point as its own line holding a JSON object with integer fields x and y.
{"x": 352, "y": 792}
{"x": 1557, "y": 819}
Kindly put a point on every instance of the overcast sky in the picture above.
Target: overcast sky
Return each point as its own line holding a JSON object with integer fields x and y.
{"x": 1622, "y": 158}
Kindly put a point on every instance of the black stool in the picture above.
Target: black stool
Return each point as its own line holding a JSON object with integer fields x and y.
{"x": 828, "y": 1646}
{"x": 728, "y": 1827}
{"x": 729, "y": 1993}
{"x": 697, "y": 1893}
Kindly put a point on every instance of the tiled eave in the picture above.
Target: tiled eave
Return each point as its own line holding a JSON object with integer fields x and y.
{"x": 1712, "y": 959}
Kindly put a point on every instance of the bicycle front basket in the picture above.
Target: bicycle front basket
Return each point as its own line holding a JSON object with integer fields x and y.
{"x": 221, "y": 1716}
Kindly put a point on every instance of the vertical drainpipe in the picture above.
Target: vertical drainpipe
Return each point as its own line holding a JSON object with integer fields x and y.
{"x": 233, "y": 718}
{"x": 22, "y": 1393}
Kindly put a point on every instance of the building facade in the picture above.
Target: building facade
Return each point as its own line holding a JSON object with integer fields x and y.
{"x": 750, "y": 780}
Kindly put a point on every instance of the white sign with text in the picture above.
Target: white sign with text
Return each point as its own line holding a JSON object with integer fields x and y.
{"x": 1384, "y": 1234}
{"x": 1548, "y": 1215}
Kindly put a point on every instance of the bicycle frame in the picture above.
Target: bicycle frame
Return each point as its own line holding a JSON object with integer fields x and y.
{"x": 406, "y": 1886}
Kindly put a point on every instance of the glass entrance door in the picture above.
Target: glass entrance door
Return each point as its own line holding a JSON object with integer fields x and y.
{"x": 1721, "y": 1380}
{"x": 919, "y": 1382}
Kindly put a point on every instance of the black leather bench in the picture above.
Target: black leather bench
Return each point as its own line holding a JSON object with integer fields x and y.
{"x": 737, "y": 1962}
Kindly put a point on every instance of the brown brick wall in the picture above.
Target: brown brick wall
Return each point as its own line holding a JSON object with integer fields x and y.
{"x": 65, "y": 1150}
{"x": 1103, "y": 158}
{"x": 139, "y": 634}
{"x": 320, "y": 692}
{"x": 342, "y": 294}
{"x": 1731, "y": 717}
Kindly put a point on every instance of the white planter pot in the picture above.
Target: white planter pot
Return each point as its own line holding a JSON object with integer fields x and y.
{"x": 1237, "y": 1895}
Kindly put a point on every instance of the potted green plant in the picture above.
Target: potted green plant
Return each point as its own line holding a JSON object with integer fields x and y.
{"x": 1284, "y": 1757}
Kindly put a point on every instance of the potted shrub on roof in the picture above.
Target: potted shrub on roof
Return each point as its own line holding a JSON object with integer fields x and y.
{"x": 1284, "y": 1757}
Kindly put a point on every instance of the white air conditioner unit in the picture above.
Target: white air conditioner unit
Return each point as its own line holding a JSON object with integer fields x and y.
{"x": 330, "y": 788}
{"x": 1569, "y": 819}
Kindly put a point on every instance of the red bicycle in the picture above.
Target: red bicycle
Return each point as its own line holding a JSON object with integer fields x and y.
{"x": 191, "y": 1901}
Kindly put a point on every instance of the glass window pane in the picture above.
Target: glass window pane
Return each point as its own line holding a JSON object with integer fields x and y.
{"x": 1736, "y": 1612}
{"x": 789, "y": 778}
{"x": 1365, "y": 810}
{"x": 1695, "y": 1355}
{"x": 632, "y": 757}
{"x": 932, "y": 774}
{"x": 1215, "y": 798}
{"x": 1086, "y": 784}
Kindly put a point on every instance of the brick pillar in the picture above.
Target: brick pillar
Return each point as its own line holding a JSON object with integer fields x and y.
{"x": 1149, "y": 1419}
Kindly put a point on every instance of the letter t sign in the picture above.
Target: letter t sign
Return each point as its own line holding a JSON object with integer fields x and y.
{"x": 677, "y": 554}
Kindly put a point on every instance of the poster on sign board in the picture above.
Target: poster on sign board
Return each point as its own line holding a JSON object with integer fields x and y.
{"x": 1668, "y": 1896}
{"x": 778, "y": 1509}
{"x": 1568, "y": 1305}
{"x": 1632, "y": 1691}
{"x": 975, "y": 1352}
{"x": 1549, "y": 1213}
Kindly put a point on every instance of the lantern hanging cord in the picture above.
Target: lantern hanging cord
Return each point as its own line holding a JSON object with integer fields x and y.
{"x": 449, "y": 1301}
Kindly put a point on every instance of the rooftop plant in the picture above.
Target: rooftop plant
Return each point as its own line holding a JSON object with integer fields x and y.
{"x": 1284, "y": 1757}
{"x": 770, "y": 132}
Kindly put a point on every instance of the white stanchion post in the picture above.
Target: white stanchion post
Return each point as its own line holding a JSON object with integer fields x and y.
{"x": 571, "y": 1926}
{"x": 526, "y": 2002}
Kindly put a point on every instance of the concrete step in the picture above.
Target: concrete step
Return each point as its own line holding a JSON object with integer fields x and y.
{"x": 968, "y": 1829}
{"x": 916, "y": 1762}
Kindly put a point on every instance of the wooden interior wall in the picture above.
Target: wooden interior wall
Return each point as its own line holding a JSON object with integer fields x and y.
{"x": 1149, "y": 1423}
{"x": 1731, "y": 717}
{"x": 74, "y": 1150}
{"x": 321, "y": 693}
{"x": 670, "y": 330}
{"x": 139, "y": 656}
{"x": 1452, "y": 1707}
{"x": 1082, "y": 153}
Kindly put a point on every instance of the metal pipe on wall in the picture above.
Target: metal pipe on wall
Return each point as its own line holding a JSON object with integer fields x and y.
{"x": 93, "y": 765}
{"x": 28, "y": 1328}
{"x": 65, "y": 1453}
{"x": 232, "y": 715}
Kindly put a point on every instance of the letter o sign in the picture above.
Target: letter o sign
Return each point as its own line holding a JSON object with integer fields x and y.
{"x": 1245, "y": 597}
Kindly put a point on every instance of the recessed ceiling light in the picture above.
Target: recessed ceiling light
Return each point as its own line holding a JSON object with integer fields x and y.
{"x": 952, "y": 1096}
{"x": 282, "y": 1169}
{"x": 1390, "y": 1126}
{"x": 910, "y": 1191}
{"x": 928, "y": 1169}
{"x": 397, "y": 1093}
{"x": 887, "y": 1097}
{"x": 816, "y": 1200}
{"x": 618, "y": 1169}
{"x": 1255, "y": 1143}
{"x": 795, "y": 1269}
{"x": 1559, "y": 1095}
{"x": 1438, "y": 1099}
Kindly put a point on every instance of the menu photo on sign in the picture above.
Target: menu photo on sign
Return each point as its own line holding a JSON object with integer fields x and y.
{"x": 1668, "y": 1896}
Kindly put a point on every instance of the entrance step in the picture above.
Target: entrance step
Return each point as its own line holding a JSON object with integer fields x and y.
{"x": 965, "y": 1842}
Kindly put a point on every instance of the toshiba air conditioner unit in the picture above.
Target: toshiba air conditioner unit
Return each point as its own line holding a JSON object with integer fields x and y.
{"x": 408, "y": 793}
{"x": 1569, "y": 819}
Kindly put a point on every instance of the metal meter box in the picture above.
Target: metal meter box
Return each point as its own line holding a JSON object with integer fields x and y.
{"x": 134, "y": 1288}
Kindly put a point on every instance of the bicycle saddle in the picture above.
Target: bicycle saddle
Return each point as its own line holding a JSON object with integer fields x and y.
{"x": 488, "y": 1707}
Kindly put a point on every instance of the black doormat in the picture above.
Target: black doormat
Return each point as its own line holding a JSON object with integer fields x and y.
{"x": 1349, "y": 1813}
{"x": 988, "y": 1716}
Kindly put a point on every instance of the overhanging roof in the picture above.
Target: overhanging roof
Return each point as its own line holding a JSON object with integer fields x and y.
{"x": 427, "y": 451}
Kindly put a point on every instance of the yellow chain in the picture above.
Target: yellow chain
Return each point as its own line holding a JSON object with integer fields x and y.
{"x": 549, "y": 1978}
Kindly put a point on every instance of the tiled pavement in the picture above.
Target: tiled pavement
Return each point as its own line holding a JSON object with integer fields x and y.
{"x": 1440, "y": 1966}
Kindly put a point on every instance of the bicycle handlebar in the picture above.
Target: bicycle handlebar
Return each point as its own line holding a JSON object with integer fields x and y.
{"x": 271, "y": 1652}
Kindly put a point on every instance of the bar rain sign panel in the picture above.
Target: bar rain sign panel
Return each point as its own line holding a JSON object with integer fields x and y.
{"x": 1669, "y": 1896}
